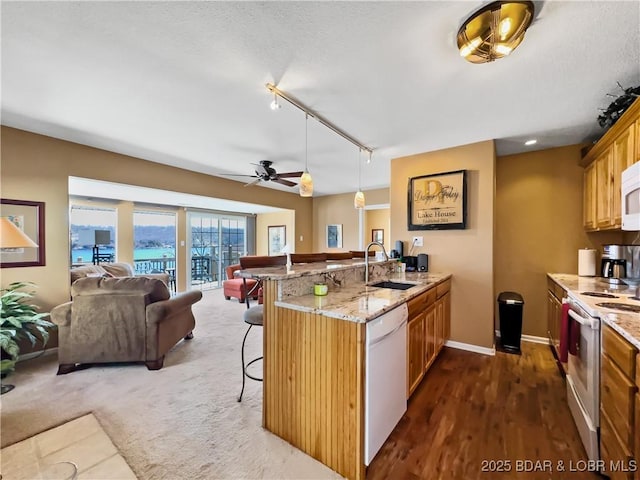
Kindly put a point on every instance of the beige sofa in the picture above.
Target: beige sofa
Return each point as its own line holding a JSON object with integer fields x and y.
{"x": 112, "y": 270}
{"x": 127, "y": 319}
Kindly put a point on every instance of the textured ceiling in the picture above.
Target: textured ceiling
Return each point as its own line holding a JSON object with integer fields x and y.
{"x": 183, "y": 83}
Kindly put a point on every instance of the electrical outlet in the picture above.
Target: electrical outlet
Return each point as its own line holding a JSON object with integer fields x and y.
{"x": 418, "y": 241}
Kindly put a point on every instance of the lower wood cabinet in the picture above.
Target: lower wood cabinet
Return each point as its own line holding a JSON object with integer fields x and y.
{"x": 618, "y": 404}
{"x": 415, "y": 351}
{"x": 428, "y": 329}
{"x": 555, "y": 294}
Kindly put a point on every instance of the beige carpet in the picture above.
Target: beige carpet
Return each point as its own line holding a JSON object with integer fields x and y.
{"x": 181, "y": 422}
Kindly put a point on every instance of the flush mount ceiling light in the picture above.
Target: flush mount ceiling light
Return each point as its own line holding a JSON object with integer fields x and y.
{"x": 533, "y": 141}
{"x": 310, "y": 113}
{"x": 494, "y": 31}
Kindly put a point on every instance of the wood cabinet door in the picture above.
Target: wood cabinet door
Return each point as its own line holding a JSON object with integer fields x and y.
{"x": 447, "y": 315}
{"x": 416, "y": 344}
{"x": 637, "y": 142}
{"x": 589, "y": 200}
{"x": 617, "y": 400}
{"x": 623, "y": 157}
{"x": 430, "y": 336}
{"x": 604, "y": 186}
{"x": 439, "y": 325}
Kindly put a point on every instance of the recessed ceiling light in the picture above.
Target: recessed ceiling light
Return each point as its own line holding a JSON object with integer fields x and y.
{"x": 531, "y": 142}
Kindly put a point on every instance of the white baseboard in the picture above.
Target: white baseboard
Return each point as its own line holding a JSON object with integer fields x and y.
{"x": 29, "y": 356}
{"x": 534, "y": 339}
{"x": 470, "y": 348}
{"x": 529, "y": 338}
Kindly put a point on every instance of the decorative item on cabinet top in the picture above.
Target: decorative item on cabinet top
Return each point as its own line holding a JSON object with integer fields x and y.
{"x": 622, "y": 102}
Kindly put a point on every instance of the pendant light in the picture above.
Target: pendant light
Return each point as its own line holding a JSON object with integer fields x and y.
{"x": 306, "y": 182}
{"x": 358, "y": 200}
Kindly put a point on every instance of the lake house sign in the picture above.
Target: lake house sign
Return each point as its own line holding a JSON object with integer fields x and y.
{"x": 438, "y": 202}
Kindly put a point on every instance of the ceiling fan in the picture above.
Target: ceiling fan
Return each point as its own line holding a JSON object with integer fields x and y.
{"x": 266, "y": 173}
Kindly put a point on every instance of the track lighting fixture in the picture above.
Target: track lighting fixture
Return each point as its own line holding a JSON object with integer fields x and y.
{"x": 274, "y": 103}
{"x": 306, "y": 177}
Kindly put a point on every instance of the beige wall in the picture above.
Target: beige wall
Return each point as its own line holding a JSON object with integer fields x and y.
{"x": 339, "y": 209}
{"x": 264, "y": 220}
{"x": 378, "y": 219}
{"x": 35, "y": 167}
{"x": 539, "y": 226}
{"x": 467, "y": 254}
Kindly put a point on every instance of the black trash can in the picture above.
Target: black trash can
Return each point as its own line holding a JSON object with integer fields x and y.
{"x": 510, "y": 306}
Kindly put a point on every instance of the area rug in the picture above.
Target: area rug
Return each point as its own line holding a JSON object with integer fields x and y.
{"x": 180, "y": 422}
{"x": 79, "y": 447}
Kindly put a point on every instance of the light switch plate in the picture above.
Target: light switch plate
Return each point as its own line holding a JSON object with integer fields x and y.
{"x": 418, "y": 241}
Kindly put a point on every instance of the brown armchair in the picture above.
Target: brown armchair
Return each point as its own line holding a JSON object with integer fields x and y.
{"x": 127, "y": 319}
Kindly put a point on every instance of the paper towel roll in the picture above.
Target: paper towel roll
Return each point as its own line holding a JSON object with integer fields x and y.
{"x": 587, "y": 262}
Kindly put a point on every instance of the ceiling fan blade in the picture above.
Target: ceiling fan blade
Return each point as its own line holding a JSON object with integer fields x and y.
{"x": 285, "y": 182}
{"x": 290, "y": 174}
{"x": 238, "y": 175}
{"x": 251, "y": 184}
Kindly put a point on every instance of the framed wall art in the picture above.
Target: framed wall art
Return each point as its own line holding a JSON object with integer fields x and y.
{"x": 438, "y": 202}
{"x": 22, "y": 239}
{"x": 334, "y": 236}
{"x": 377, "y": 235}
{"x": 277, "y": 238}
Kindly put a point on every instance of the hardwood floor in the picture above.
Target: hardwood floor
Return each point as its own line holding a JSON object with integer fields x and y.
{"x": 473, "y": 411}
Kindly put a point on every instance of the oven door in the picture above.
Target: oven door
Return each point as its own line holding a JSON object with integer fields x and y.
{"x": 584, "y": 363}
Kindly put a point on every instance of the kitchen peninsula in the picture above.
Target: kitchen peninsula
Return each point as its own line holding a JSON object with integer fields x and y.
{"x": 314, "y": 349}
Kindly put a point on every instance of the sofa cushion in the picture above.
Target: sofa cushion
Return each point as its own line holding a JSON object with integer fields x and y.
{"x": 86, "y": 270}
{"x": 156, "y": 289}
{"x": 119, "y": 269}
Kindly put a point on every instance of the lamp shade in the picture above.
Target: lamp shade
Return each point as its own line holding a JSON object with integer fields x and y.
{"x": 495, "y": 30}
{"x": 12, "y": 237}
{"x": 358, "y": 200}
{"x": 306, "y": 184}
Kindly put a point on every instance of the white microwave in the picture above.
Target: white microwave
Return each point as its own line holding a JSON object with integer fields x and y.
{"x": 630, "y": 202}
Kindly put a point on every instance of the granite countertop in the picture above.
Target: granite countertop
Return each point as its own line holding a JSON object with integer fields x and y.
{"x": 303, "y": 269}
{"x": 626, "y": 324}
{"x": 360, "y": 303}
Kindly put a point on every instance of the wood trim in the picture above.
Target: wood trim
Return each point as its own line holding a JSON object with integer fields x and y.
{"x": 624, "y": 122}
{"x": 314, "y": 384}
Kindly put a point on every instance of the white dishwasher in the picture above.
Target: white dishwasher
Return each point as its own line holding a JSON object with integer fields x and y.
{"x": 385, "y": 378}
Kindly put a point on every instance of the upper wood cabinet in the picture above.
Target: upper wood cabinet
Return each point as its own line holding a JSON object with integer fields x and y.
{"x": 590, "y": 197}
{"x": 618, "y": 149}
{"x": 604, "y": 187}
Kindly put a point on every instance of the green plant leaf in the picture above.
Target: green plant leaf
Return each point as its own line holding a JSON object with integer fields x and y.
{"x": 7, "y": 366}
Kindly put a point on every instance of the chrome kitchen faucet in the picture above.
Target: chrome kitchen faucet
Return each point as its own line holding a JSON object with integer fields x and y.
{"x": 366, "y": 259}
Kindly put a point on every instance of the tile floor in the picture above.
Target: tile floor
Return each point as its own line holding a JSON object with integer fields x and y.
{"x": 81, "y": 441}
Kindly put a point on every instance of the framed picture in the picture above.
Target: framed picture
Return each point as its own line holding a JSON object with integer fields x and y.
{"x": 438, "y": 202}
{"x": 277, "y": 238}
{"x": 377, "y": 235}
{"x": 22, "y": 224}
{"x": 334, "y": 236}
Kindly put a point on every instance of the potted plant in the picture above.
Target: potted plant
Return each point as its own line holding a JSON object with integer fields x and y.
{"x": 18, "y": 319}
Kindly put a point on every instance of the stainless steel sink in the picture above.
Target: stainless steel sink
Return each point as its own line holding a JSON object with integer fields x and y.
{"x": 393, "y": 285}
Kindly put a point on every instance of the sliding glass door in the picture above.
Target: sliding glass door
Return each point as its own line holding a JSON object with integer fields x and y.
{"x": 215, "y": 241}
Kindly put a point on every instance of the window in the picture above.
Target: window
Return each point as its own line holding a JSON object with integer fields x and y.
{"x": 84, "y": 222}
